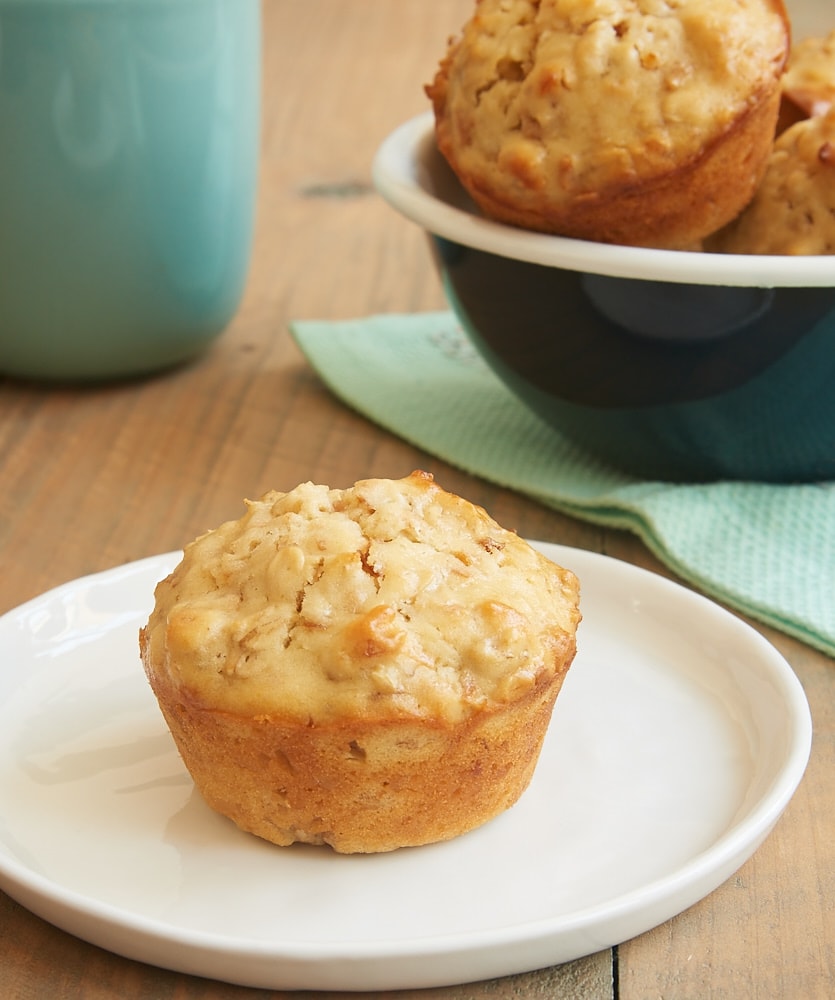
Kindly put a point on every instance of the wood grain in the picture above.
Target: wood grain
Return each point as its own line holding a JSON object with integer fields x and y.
{"x": 92, "y": 478}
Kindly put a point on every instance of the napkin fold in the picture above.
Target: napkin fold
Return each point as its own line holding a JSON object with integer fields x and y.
{"x": 765, "y": 550}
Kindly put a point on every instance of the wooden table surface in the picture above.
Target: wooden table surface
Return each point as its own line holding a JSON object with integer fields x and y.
{"x": 92, "y": 478}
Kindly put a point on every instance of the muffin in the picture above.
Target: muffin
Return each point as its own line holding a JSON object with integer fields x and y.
{"x": 644, "y": 122}
{"x": 369, "y": 668}
{"x": 793, "y": 212}
{"x": 809, "y": 81}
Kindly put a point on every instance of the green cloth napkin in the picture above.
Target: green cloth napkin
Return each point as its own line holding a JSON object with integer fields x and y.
{"x": 766, "y": 550}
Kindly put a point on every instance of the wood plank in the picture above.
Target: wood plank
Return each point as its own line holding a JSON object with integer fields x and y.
{"x": 100, "y": 476}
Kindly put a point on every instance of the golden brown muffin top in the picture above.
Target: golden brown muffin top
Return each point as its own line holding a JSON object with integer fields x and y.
{"x": 793, "y": 211}
{"x": 568, "y": 96}
{"x": 390, "y": 598}
{"x": 809, "y": 80}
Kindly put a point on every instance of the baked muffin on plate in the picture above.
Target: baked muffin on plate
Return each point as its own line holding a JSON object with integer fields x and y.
{"x": 645, "y": 122}
{"x": 369, "y": 668}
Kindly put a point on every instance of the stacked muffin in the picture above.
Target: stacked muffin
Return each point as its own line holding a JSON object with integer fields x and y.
{"x": 793, "y": 210}
{"x": 644, "y": 122}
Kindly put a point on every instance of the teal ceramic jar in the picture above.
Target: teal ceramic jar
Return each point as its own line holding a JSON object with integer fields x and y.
{"x": 129, "y": 134}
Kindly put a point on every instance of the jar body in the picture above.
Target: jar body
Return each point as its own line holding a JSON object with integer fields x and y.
{"x": 129, "y": 134}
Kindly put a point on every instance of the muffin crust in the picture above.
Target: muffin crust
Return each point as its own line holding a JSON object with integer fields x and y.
{"x": 628, "y": 121}
{"x": 793, "y": 212}
{"x": 369, "y": 668}
{"x": 809, "y": 81}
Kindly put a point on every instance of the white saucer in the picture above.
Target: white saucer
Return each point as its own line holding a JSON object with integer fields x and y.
{"x": 677, "y": 741}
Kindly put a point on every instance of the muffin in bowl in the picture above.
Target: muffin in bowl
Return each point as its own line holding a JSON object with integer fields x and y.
{"x": 663, "y": 364}
{"x": 646, "y": 124}
{"x": 793, "y": 211}
{"x": 808, "y": 85}
{"x": 369, "y": 668}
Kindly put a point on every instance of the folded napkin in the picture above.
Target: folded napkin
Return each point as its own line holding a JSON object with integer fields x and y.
{"x": 766, "y": 550}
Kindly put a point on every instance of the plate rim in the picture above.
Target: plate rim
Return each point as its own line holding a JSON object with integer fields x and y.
{"x": 399, "y": 964}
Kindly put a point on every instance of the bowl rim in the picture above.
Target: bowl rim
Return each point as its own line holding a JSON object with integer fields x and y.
{"x": 407, "y": 167}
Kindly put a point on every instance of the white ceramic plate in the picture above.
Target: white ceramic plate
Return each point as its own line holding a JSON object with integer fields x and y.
{"x": 678, "y": 739}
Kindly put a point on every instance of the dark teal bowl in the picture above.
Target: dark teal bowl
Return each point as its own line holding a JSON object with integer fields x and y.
{"x": 665, "y": 364}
